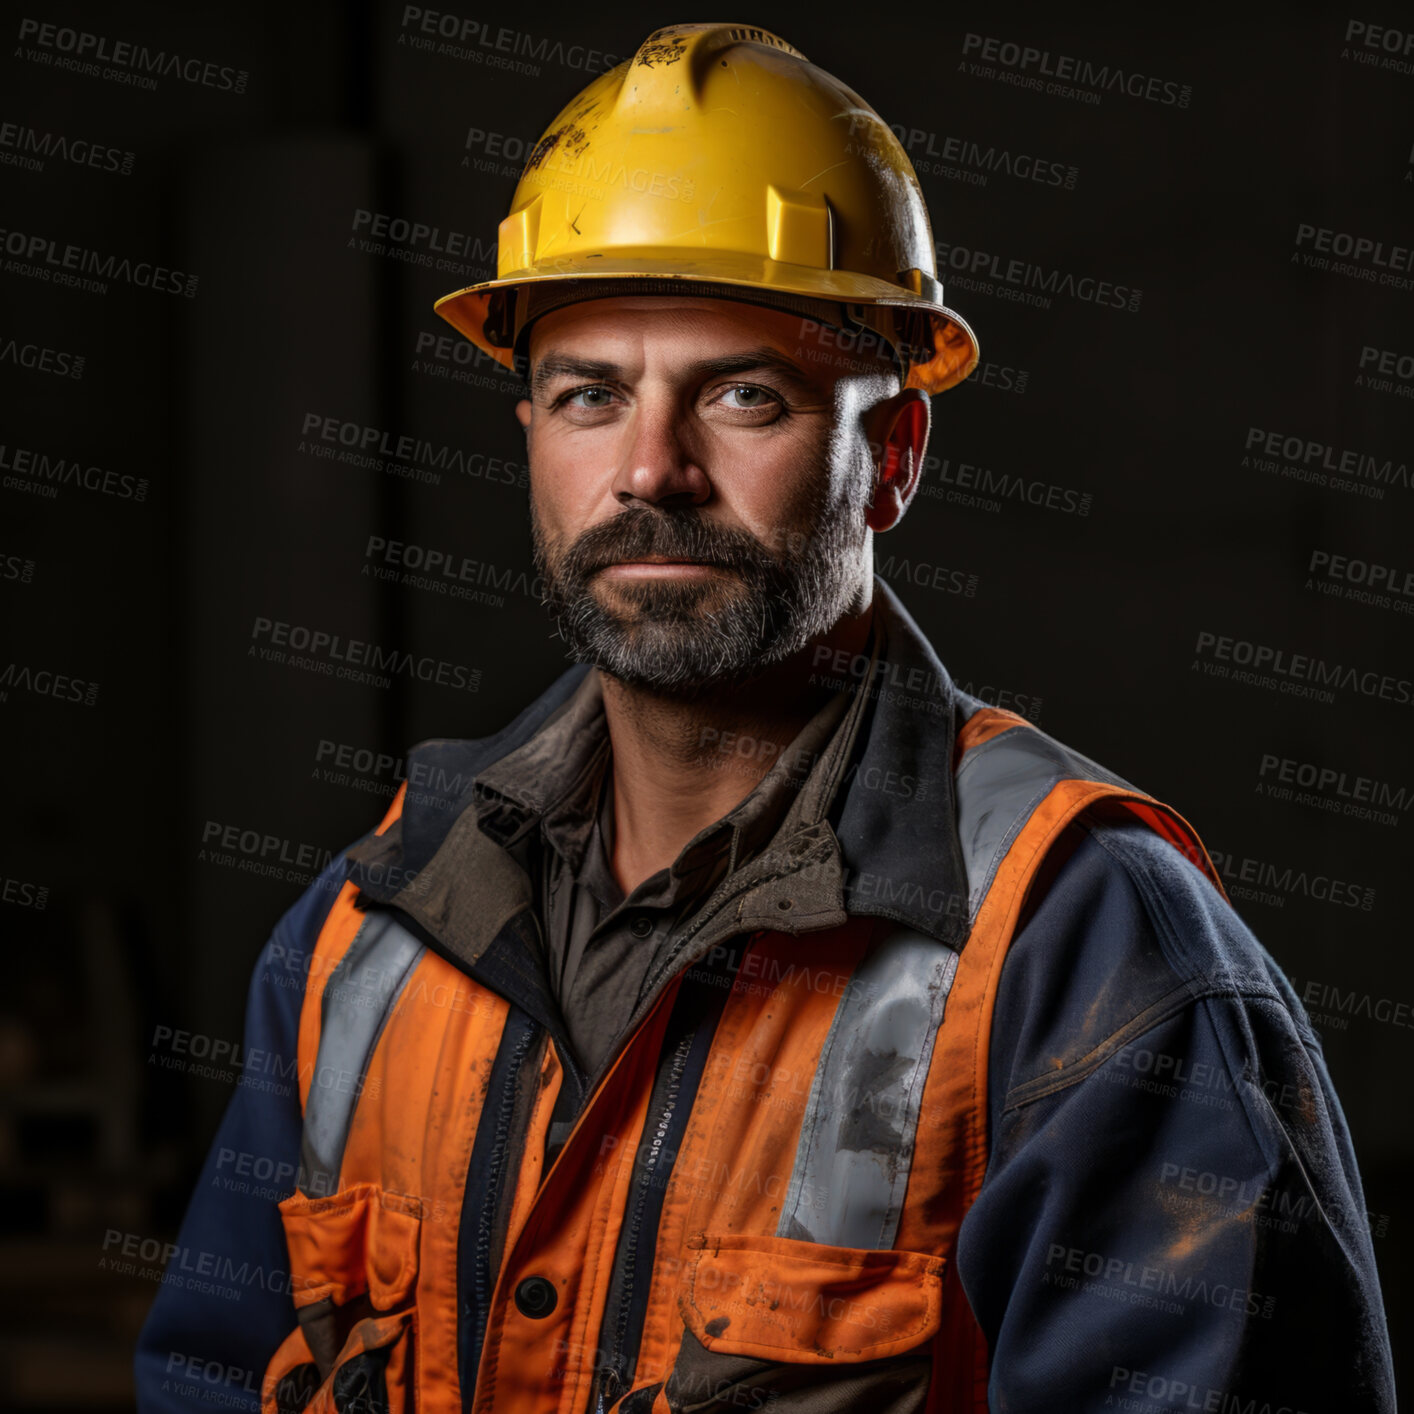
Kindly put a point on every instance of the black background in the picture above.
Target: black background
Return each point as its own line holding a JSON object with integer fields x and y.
{"x": 119, "y": 931}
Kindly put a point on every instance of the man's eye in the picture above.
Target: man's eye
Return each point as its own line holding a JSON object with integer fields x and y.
{"x": 589, "y": 398}
{"x": 747, "y": 397}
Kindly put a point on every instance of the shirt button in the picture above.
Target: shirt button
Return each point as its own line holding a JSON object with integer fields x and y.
{"x": 536, "y": 1297}
{"x": 641, "y": 926}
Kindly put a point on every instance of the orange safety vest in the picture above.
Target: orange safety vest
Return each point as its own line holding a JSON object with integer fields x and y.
{"x": 808, "y": 1214}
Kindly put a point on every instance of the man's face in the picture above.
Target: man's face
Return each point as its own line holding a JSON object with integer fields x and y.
{"x": 700, "y": 475}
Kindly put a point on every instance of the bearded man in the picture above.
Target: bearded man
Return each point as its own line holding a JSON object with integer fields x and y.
{"x": 759, "y": 1020}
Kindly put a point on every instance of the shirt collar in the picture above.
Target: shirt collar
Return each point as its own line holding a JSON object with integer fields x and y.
{"x": 554, "y": 780}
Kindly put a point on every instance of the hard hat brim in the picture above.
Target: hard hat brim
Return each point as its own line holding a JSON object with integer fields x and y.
{"x": 942, "y": 348}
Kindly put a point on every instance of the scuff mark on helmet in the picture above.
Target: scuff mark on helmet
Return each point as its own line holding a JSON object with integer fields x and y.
{"x": 574, "y": 138}
{"x": 662, "y": 51}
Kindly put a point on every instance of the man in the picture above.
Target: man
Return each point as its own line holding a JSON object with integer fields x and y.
{"x": 758, "y": 1020}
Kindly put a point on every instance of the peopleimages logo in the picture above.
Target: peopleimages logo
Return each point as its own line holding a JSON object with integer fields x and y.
{"x": 1298, "y": 674}
{"x": 444, "y": 571}
{"x": 1386, "y": 371}
{"x": 1381, "y": 586}
{"x": 356, "y": 444}
{"x": 23, "y": 146}
{"x": 1002, "y": 376}
{"x": 1020, "y": 281}
{"x": 1358, "y": 257}
{"x": 1365, "y": 249}
{"x": 265, "y": 846}
{"x": 458, "y": 360}
{"x": 927, "y": 575}
{"x": 420, "y": 243}
{"x": 1321, "y": 464}
{"x": 1285, "y": 778}
{"x": 1378, "y": 46}
{"x": 43, "y": 258}
{"x": 980, "y": 487}
{"x": 351, "y": 659}
{"x": 496, "y": 46}
{"x": 1156, "y": 1288}
{"x": 1030, "y": 68}
{"x": 16, "y": 567}
{"x": 42, "y": 475}
{"x": 1331, "y": 1007}
{"x": 41, "y": 358}
{"x": 82, "y": 52}
{"x": 1265, "y": 881}
{"x": 24, "y": 894}
{"x": 44, "y": 682}
{"x": 939, "y": 155}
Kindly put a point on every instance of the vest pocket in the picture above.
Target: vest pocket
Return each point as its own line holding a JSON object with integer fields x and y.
{"x": 778, "y": 1298}
{"x": 291, "y": 1378}
{"x": 372, "y": 1373}
{"x": 353, "y": 1266}
{"x": 803, "y": 1328}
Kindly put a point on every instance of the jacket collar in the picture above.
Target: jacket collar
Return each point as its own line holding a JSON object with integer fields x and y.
{"x": 896, "y": 820}
{"x": 888, "y": 845}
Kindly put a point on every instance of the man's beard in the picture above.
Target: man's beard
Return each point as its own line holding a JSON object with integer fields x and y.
{"x": 688, "y": 634}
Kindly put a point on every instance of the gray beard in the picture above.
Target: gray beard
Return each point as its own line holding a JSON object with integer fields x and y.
{"x": 688, "y": 637}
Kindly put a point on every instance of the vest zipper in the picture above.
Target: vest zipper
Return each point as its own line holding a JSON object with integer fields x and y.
{"x": 484, "y": 1310}
{"x": 484, "y": 1279}
{"x": 614, "y": 1369}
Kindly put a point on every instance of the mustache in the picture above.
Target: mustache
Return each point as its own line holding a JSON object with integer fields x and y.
{"x": 638, "y": 533}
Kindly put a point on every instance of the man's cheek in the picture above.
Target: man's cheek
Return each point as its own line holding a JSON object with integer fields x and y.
{"x": 775, "y": 482}
{"x": 570, "y": 489}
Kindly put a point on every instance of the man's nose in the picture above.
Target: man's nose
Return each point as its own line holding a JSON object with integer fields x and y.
{"x": 658, "y": 463}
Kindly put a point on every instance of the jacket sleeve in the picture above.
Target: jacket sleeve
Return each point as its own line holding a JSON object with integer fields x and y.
{"x": 1172, "y": 1217}
{"x": 225, "y": 1302}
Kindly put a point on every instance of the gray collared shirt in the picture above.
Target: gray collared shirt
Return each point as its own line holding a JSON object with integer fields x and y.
{"x": 600, "y": 944}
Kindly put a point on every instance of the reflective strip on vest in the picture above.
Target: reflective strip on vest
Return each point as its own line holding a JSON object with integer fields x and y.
{"x": 856, "y": 1139}
{"x": 360, "y": 993}
{"x": 998, "y": 786}
{"x": 857, "y": 1136}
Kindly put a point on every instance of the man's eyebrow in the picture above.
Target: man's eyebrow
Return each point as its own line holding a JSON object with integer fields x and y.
{"x": 754, "y": 361}
{"x": 559, "y": 366}
{"x": 598, "y": 371}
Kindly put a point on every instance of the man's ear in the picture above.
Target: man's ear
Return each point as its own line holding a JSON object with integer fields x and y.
{"x": 906, "y": 420}
{"x": 523, "y": 410}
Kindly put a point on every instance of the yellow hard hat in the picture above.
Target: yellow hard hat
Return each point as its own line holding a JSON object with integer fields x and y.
{"x": 720, "y": 156}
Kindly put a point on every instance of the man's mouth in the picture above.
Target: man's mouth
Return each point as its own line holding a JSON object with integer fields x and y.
{"x": 649, "y": 566}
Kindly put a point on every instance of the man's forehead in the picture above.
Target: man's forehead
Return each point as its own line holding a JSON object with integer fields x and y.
{"x": 716, "y": 325}
{"x": 625, "y": 312}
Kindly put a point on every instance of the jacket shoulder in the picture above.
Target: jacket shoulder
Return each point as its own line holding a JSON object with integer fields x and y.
{"x": 1204, "y": 939}
{"x": 1126, "y": 932}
